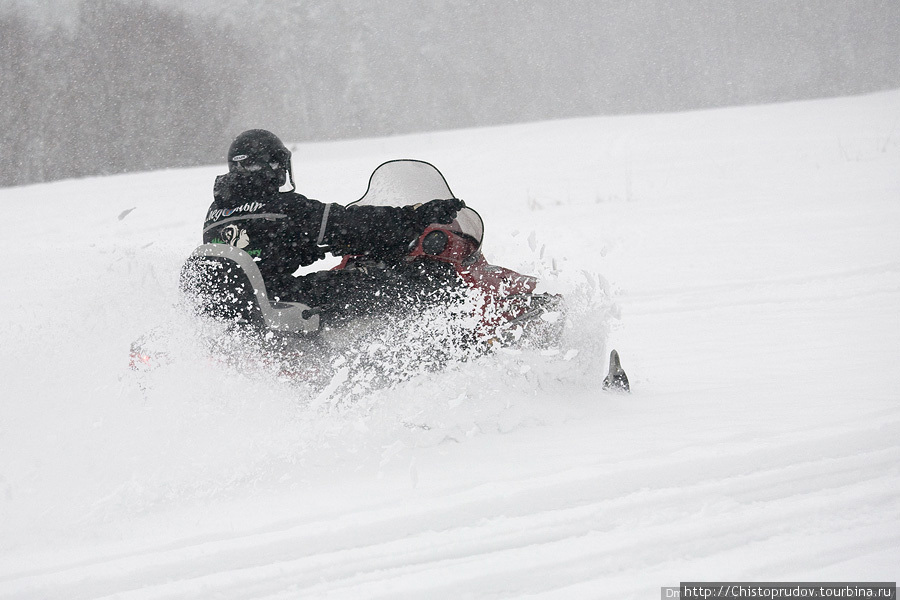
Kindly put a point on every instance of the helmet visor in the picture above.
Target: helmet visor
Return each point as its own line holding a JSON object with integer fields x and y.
{"x": 250, "y": 166}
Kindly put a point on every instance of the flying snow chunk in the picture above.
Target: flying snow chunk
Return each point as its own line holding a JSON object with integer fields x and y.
{"x": 551, "y": 317}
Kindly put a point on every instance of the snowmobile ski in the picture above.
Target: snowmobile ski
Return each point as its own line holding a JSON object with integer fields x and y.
{"x": 616, "y": 380}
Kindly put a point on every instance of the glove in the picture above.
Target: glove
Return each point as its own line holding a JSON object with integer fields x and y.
{"x": 438, "y": 211}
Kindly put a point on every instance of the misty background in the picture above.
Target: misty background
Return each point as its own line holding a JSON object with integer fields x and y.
{"x": 96, "y": 87}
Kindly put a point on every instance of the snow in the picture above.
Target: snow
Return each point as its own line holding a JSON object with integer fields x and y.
{"x": 744, "y": 261}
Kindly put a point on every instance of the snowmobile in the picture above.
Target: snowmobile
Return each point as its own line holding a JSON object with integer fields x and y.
{"x": 442, "y": 274}
{"x": 441, "y": 300}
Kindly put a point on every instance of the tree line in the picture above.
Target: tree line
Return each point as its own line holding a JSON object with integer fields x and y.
{"x": 147, "y": 85}
{"x": 128, "y": 86}
{"x": 378, "y": 67}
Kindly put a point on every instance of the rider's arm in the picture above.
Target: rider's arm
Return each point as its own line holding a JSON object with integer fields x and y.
{"x": 381, "y": 230}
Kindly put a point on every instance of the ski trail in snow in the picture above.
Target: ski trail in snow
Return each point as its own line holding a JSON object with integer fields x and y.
{"x": 580, "y": 526}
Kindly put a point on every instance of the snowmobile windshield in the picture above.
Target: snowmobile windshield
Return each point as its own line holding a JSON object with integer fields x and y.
{"x": 409, "y": 182}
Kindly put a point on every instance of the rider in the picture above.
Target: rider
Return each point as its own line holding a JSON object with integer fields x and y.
{"x": 256, "y": 208}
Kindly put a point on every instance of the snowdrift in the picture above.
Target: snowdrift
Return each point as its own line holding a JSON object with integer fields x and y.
{"x": 745, "y": 262}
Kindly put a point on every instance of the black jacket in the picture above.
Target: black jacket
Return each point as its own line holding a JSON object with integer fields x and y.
{"x": 286, "y": 230}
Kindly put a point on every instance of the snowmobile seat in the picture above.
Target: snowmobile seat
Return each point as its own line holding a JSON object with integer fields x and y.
{"x": 223, "y": 282}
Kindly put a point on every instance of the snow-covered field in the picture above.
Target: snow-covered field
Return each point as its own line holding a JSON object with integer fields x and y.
{"x": 745, "y": 262}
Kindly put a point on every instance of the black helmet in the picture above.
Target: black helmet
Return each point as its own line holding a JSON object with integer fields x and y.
{"x": 258, "y": 153}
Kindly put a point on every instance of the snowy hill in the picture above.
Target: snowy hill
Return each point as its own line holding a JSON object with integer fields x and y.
{"x": 745, "y": 262}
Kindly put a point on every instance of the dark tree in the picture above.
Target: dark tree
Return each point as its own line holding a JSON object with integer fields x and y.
{"x": 130, "y": 87}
